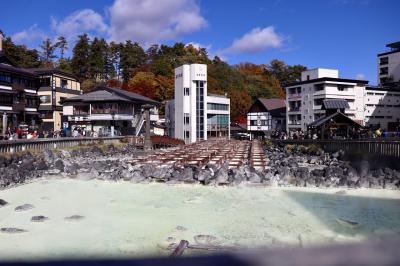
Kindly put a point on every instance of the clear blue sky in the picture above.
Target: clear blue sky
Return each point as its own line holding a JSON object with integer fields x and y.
{"x": 342, "y": 34}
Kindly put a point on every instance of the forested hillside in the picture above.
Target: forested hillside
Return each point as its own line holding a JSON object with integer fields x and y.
{"x": 150, "y": 71}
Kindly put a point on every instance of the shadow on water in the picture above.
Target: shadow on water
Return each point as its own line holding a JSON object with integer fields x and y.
{"x": 372, "y": 216}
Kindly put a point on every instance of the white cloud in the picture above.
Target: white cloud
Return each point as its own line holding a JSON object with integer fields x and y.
{"x": 360, "y": 76}
{"x": 150, "y": 21}
{"x": 256, "y": 41}
{"x": 199, "y": 45}
{"x": 31, "y": 34}
{"x": 79, "y": 22}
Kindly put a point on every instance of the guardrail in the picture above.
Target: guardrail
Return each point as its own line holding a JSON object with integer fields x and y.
{"x": 12, "y": 146}
{"x": 374, "y": 147}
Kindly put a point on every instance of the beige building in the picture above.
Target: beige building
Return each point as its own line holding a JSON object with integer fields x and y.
{"x": 55, "y": 85}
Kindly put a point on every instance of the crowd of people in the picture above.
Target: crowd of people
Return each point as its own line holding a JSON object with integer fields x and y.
{"x": 330, "y": 134}
{"x": 19, "y": 133}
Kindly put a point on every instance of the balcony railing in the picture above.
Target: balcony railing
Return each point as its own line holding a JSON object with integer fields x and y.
{"x": 294, "y": 95}
{"x": 294, "y": 109}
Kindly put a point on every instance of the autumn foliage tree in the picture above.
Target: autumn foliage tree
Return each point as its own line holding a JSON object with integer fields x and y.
{"x": 240, "y": 104}
{"x": 150, "y": 72}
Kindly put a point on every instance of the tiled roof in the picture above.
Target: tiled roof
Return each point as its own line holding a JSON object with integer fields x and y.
{"x": 335, "y": 104}
{"x": 271, "y": 104}
{"x": 105, "y": 94}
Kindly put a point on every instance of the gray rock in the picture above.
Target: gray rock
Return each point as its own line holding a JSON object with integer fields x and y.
{"x": 204, "y": 175}
{"x": 187, "y": 174}
{"x": 126, "y": 175}
{"x": 138, "y": 177}
{"x": 59, "y": 164}
{"x": 65, "y": 154}
{"x": 74, "y": 217}
{"x": 24, "y": 207}
{"x": 238, "y": 175}
{"x": 39, "y": 218}
{"x": 364, "y": 168}
{"x": 48, "y": 156}
{"x": 12, "y": 230}
{"x": 253, "y": 176}
{"x": 3, "y": 203}
{"x": 148, "y": 170}
{"x": 71, "y": 168}
{"x": 161, "y": 173}
{"x": 42, "y": 165}
{"x": 222, "y": 176}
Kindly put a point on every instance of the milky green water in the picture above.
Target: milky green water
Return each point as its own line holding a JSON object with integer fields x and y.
{"x": 125, "y": 219}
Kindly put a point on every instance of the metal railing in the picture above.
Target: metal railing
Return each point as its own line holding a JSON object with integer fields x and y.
{"x": 375, "y": 147}
{"x": 12, "y": 146}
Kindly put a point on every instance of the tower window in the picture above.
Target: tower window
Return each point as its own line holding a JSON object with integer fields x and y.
{"x": 186, "y": 91}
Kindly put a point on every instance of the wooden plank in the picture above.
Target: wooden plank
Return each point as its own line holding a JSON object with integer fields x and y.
{"x": 178, "y": 251}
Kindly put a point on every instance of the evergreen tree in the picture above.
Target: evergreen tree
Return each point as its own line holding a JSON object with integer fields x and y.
{"x": 47, "y": 52}
{"x": 132, "y": 56}
{"x": 98, "y": 59}
{"x": 20, "y": 55}
{"x": 80, "y": 58}
{"x": 62, "y": 45}
{"x": 115, "y": 59}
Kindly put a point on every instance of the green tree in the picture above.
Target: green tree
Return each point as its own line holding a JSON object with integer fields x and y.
{"x": 65, "y": 65}
{"x": 20, "y": 55}
{"x": 47, "y": 52}
{"x": 284, "y": 73}
{"x": 98, "y": 59}
{"x": 114, "y": 55}
{"x": 132, "y": 56}
{"x": 62, "y": 45}
{"x": 80, "y": 57}
{"x": 88, "y": 85}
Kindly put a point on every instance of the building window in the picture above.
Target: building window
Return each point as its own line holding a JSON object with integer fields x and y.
{"x": 45, "y": 99}
{"x": 217, "y": 106}
{"x": 384, "y": 70}
{"x": 64, "y": 84}
{"x": 186, "y": 91}
{"x": 383, "y": 60}
{"x": 308, "y": 77}
{"x": 200, "y": 110}
{"x": 5, "y": 78}
{"x": 186, "y": 134}
{"x": 6, "y": 99}
{"x": 44, "y": 82}
{"x": 186, "y": 119}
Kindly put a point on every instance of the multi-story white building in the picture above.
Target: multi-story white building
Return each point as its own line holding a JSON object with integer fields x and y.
{"x": 382, "y": 107}
{"x": 389, "y": 65}
{"x": 194, "y": 114}
{"x": 304, "y": 98}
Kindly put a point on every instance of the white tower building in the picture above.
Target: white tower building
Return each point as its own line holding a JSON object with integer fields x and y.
{"x": 194, "y": 114}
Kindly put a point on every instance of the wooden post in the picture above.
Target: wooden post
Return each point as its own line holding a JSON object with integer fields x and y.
{"x": 178, "y": 251}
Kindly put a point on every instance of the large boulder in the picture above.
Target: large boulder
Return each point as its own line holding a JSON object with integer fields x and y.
{"x": 204, "y": 175}
{"x": 238, "y": 175}
{"x": 48, "y": 156}
{"x": 222, "y": 175}
{"x": 42, "y": 165}
{"x": 138, "y": 177}
{"x": 59, "y": 164}
{"x": 161, "y": 174}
